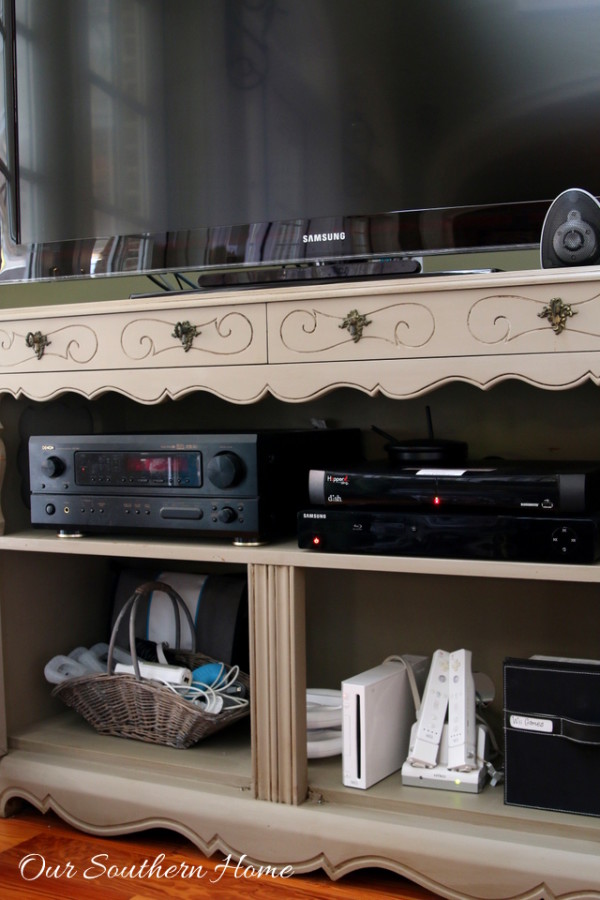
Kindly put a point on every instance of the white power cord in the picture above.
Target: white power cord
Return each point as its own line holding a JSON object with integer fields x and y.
{"x": 214, "y": 697}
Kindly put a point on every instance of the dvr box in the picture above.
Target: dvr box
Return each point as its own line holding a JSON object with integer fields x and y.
{"x": 535, "y": 488}
{"x": 552, "y": 734}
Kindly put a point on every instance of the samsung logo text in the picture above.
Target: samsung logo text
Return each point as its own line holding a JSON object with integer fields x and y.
{"x": 324, "y": 238}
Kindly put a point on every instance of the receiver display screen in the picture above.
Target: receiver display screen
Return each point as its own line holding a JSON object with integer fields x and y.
{"x": 178, "y": 469}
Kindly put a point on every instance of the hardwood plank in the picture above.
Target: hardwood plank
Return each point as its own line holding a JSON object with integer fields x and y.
{"x": 14, "y": 831}
{"x": 43, "y": 857}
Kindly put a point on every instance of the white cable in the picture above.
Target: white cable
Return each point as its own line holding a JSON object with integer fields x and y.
{"x": 490, "y": 734}
{"x": 214, "y": 698}
{"x": 206, "y": 697}
{"x": 160, "y": 653}
{"x": 411, "y": 679}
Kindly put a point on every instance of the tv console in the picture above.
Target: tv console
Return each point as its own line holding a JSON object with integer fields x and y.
{"x": 498, "y": 373}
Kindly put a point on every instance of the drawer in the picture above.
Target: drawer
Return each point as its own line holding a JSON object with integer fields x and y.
{"x": 33, "y": 345}
{"x": 160, "y": 338}
{"x": 202, "y": 336}
{"x": 429, "y": 323}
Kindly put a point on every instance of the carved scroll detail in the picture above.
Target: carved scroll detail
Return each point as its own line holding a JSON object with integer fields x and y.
{"x": 74, "y": 343}
{"x": 316, "y": 331}
{"x": 501, "y": 318}
{"x": 226, "y": 335}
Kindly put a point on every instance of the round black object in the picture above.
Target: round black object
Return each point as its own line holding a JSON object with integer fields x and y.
{"x": 571, "y": 230}
{"x": 225, "y": 469}
{"x": 428, "y": 452}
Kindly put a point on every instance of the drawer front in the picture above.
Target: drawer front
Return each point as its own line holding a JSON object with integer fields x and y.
{"x": 31, "y": 345}
{"x": 205, "y": 336}
{"x": 162, "y": 338}
{"x": 533, "y": 319}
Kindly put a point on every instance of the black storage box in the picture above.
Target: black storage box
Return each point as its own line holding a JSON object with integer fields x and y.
{"x": 552, "y": 734}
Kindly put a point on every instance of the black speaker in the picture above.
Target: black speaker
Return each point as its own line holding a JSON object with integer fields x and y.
{"x": 571, "y": 231}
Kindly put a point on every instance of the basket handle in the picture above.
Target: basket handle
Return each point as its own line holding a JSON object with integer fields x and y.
{"x": 132, "y": 604}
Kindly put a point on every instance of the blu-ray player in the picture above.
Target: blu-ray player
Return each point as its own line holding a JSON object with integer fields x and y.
{"x": 540, "y": 488}
{"x": 570, "y": 539}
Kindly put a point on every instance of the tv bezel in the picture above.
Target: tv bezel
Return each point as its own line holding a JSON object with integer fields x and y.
{"x": 414, "y": 234}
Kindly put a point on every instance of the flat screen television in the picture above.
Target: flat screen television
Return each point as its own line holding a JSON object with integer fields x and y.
{"x": 234, "y": 139}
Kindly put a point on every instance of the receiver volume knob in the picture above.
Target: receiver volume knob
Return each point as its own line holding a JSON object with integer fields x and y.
{"x": 225, "y": 469}
{"x": 53, "y": 466}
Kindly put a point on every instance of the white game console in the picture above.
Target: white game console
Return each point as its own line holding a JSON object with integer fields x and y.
{"x": 378, "y": 711}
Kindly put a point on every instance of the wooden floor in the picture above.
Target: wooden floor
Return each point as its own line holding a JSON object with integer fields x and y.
{"x": 42, "y": 857}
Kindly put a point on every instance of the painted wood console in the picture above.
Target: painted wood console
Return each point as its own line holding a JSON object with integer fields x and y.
{"x": 355, "y": 354}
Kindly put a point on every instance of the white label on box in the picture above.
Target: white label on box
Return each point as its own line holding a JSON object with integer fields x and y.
{"x": 531, "y": 723}
{"x": 431, "y": 473}
{"x": 452, "y": 473}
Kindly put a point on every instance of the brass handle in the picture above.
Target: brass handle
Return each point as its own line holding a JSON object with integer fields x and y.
{"x": 354, "y": 324}
{"x": 557, "y": 313}
{"x": 185, "y": 332}
{"x": 38, "y": 342}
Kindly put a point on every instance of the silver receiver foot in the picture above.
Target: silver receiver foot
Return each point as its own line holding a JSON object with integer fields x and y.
{"x": 243, "y": 542}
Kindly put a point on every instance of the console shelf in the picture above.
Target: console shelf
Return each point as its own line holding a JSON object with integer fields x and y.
{"x": 325, "y": 784}
{"x": 497, "y": 375}
{"x": 287, "y": 553}
{"x": 224, "y": 759}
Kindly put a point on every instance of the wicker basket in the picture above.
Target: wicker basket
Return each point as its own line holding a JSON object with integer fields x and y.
{"x": 128, "y": 706}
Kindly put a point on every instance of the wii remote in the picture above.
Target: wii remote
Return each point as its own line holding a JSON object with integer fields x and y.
{"x": 462, "y": 731}
{"x": 432, "y": 713}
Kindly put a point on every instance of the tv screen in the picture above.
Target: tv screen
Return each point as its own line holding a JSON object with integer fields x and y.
{"x": 151, "y": 135}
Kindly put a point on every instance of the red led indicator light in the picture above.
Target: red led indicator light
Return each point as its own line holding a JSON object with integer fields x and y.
{"x": 316, "y": 540}
{"x": 436, "y": 501}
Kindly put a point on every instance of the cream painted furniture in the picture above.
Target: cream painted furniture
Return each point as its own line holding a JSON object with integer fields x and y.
{"x": 357, "y": 354}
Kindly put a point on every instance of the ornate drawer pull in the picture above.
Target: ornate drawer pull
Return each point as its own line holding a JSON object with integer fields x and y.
{"x": 557, "y": 313}
{"x": 354, "y": 324}
{"x": 38, "y": 342}
{"x": 185, "y": 332}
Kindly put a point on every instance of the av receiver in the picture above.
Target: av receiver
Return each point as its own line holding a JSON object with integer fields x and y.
{"x": 539, "y": 488}
{"x": 247, "y": 486}
{"x": 567, "y": 539}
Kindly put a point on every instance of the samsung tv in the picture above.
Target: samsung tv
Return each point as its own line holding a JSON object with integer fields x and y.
{"x": 239, "y": 141}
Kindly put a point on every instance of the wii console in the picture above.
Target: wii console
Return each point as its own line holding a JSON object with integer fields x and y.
{"x": 379, "y": 706}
